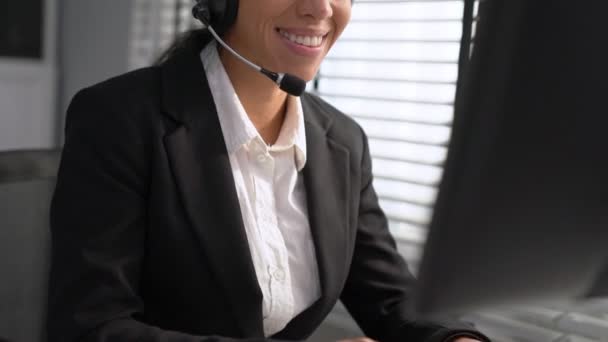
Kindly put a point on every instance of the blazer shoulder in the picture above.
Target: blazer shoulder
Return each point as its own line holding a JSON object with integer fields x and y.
{"x": 340, "y": 127}
{"x": 136, "y": 86}
{"x": 123, "y": 107}
{"x": 132, "y": 96}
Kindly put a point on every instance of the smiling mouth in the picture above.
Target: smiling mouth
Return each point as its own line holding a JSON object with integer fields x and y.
{"x": 308, "y": 41}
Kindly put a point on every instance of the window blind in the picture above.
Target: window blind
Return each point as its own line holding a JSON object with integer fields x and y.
{"x": 395, "y": 71}
{"x": 155, "y": 25}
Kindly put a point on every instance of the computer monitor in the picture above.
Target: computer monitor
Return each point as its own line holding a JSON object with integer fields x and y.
{"x": 522, "y": 210}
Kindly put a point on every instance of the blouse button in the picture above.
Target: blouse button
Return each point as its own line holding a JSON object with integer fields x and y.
{"x": 279, "y": 275}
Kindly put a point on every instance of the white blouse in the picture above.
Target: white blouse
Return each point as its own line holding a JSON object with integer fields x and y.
{"x": 272, "y": 199}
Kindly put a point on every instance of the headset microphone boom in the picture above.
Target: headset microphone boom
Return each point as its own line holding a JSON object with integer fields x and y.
{"x": 203, "y": 12}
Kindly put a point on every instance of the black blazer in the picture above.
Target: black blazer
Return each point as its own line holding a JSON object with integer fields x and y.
{"x": 148, "y": 241}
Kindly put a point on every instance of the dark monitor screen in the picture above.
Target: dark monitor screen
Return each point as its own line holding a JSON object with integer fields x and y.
{"x": 522, "y": 211}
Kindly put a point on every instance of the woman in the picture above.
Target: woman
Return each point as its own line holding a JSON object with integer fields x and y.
{"x": 196, "y": 201}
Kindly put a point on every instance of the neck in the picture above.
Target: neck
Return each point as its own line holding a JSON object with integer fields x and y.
{"x": 261, "y": 98}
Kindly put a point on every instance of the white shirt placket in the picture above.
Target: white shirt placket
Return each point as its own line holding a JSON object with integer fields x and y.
{"x": 281, "y": 301}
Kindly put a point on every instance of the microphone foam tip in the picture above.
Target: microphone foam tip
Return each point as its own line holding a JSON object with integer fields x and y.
{"x": 292, "y": 85}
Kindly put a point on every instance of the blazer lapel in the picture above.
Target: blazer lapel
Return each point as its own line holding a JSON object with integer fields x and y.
{"x": 326, "y": 176}
{"x": 327, "y": 180}
{"x": 201, "y": 167}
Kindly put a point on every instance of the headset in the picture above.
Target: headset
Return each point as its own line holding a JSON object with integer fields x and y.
{"x": 217, "y": 16}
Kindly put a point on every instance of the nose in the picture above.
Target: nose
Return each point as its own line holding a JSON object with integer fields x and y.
{"x": 318, "y": 9}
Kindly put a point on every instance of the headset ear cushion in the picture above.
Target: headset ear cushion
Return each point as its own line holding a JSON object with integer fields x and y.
{"x": 223, "y": 14}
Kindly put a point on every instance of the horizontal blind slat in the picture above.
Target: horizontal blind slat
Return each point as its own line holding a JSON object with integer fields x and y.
{"x": 424, "y": 134}
{"x": 415, "y": 92}
{"x": 391, "y": 70}
{"x": 406, "y": 212}
{"x": 406, "y": 192}
{"x": 386, "y": 99}
{"x": 407, "y": 172}
{"x": 408, "y": 10}
{"x": 412, "y": 233}
{"x": 404, "y": 31}
{"x": 388, "y": 59}
{"x": 384, "y": 78}
{"x": 406, "y": 151}
{"x": 400, "y": 51}
{"x": 431, "y": 114}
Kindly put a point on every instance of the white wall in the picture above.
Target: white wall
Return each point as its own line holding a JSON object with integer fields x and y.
{"x": 86, "y": 41}
{"x": 94, "y": 43}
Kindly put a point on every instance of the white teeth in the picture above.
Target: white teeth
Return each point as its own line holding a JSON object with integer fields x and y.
{"x": 312, "y": 41}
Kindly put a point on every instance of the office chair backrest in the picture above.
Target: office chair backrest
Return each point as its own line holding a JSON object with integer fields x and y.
{"x": 27, "y": 180}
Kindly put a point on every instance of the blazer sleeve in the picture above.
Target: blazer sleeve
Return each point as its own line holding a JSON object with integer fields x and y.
{"x": 98, "y": 225}
{"x": 379, "y": 287}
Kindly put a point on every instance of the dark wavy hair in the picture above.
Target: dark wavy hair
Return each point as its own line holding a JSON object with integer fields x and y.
{"x": 189, "y": 40}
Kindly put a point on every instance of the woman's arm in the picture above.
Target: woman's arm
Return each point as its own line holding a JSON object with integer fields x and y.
{"x": 98, "y": 220}
{"x": 379, "y": 287}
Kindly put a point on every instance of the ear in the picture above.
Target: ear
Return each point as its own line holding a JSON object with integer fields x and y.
{"x": 223, "y": 14}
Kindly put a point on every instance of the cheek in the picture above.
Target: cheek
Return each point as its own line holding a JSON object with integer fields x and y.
{"x": 341, "y": 19}
{"x": 342, "y": 16}
{"x": 252, "y": 19}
